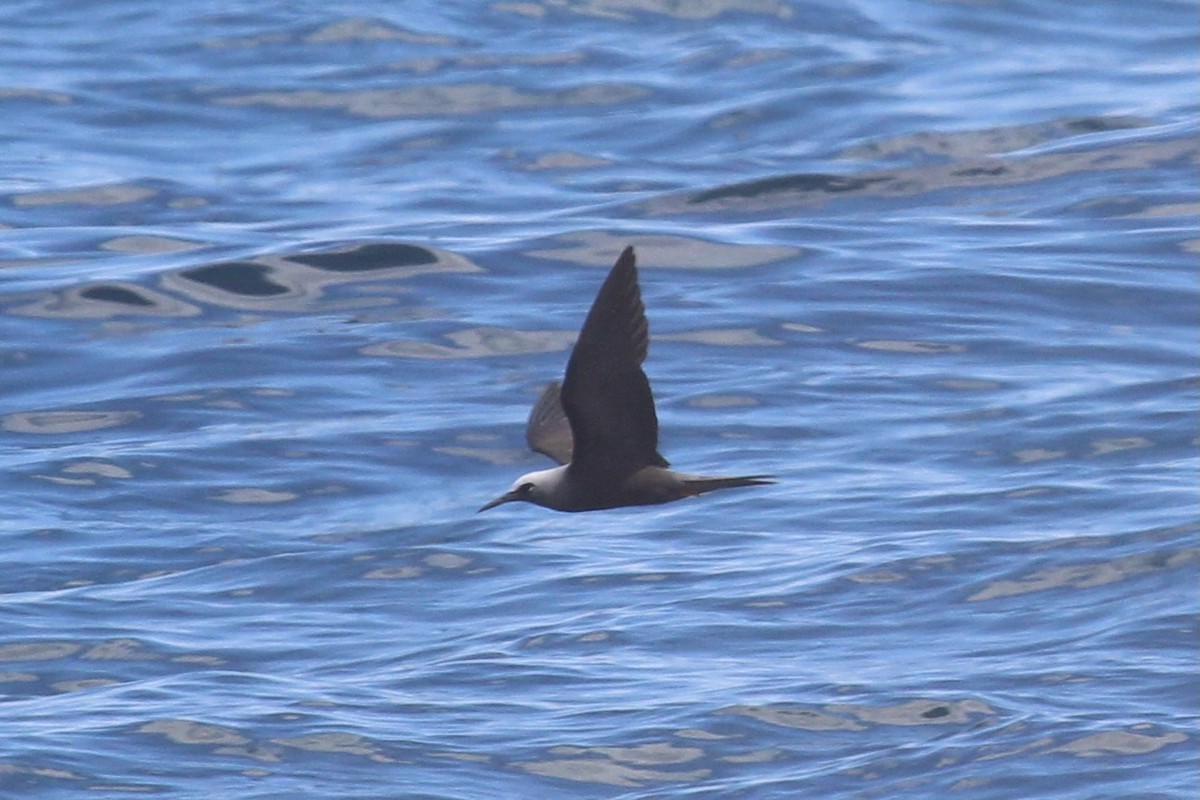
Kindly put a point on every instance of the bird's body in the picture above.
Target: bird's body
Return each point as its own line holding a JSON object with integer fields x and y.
{"x": 601, "y": 425}
{"x": 554, "y": 488}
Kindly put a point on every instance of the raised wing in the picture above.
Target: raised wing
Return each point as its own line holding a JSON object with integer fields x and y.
{"x": 605, "y": 394}
{"x": 548, "y": 430}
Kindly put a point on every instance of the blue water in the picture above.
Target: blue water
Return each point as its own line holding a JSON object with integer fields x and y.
{"x": 279, "y": 283}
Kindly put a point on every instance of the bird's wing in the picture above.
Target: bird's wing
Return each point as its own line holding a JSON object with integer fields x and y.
{"x": 548, "y": 430}
{"x": 605, "y": 394}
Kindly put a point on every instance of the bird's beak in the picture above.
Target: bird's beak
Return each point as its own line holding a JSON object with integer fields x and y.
{"x": 507, "y": 497}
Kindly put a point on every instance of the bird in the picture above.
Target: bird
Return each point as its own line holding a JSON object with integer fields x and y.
{"x": 600, "y": 424}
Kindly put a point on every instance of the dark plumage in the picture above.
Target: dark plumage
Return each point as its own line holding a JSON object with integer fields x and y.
{"x": 601, "y": 426}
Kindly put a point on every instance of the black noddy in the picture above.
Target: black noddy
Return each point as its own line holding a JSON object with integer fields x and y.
{"x": 601, "y": 426}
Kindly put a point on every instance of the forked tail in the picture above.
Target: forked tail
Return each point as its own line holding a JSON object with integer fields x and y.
{"x": 695, "y": 486}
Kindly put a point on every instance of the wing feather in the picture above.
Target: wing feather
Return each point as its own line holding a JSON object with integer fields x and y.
{"x": 549, "y": 431}
{"x": 605, "y": 394}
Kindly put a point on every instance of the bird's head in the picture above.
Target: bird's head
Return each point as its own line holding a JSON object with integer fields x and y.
{"x": 540, "y": 488}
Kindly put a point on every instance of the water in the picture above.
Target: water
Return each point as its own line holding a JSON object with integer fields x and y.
{"x": 280, "y": 282}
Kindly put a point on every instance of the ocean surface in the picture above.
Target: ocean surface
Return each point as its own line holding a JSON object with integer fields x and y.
{"x": 279, "y": 283}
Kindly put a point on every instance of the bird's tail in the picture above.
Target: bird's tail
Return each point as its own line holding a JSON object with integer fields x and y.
{"x": 695, "y": 486}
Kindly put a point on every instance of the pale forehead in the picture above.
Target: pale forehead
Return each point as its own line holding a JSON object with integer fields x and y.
{"x": 540, "y": 478}
{"x": 529, "y": 477}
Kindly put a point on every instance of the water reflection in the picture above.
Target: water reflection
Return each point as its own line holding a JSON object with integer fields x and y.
{"x": 288, "y": 282}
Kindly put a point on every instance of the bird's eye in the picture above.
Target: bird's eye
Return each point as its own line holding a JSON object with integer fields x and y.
{"x": 525, "y": 488}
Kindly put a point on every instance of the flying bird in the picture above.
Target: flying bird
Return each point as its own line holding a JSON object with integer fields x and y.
{"x": 600, "y": 426}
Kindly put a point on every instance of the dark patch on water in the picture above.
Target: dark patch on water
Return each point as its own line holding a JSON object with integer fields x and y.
{"x": 237, "y": 277}
{"x": 120, "y": 295}
{"x": 368, "y": 258}
{"x": 816, "y": 183}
